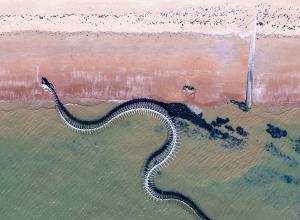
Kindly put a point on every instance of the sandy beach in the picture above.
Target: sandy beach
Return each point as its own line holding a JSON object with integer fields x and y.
{"x": 107, "y": 66}
{"x": 121, "y": 50}
{"x": 214, "y": 17}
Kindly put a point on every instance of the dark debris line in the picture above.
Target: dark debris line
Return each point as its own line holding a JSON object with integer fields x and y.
{"x": 292, "y": 162}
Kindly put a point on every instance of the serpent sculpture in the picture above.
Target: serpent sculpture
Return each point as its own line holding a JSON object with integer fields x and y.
{"x": 156, "y": 161}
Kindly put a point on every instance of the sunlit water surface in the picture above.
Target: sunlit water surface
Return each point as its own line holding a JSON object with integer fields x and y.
{"x": 49, "y": 171}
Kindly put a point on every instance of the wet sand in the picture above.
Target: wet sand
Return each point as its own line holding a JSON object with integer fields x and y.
{"x": 277, "y": 71}
{"x": 124, "y": 66}
{"x": 105, "y": 66}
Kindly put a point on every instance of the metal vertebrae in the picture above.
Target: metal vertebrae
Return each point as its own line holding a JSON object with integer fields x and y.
{"x": 156, "y": 161}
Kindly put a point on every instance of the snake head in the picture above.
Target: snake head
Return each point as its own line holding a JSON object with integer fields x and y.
{"x": 46, "y": 84}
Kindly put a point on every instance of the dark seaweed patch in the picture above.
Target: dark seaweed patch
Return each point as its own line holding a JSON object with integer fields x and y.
{"x": 185, "y": 128}
{"x": 276, "y": 132}
{"x": 297, "y": 146}
{"x": 180, "y": 110}
{"x": 219, "y": 122}
{"x": 277, "y": 153}
{"x": 287, "y": 178}
{"x": 261, "y": 176}
{"x": 229, "y": 128}
{"x": 241, "y": 131}
{"x": 194, "y": 133}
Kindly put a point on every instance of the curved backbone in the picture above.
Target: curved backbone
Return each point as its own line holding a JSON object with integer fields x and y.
{"x": 156, "y": 160}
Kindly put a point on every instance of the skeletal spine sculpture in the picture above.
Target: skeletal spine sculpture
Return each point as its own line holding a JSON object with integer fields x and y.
{"x": 153, "y": 164}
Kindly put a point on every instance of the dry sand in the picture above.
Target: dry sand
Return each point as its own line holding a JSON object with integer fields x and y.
{"x": 217, "y": 17}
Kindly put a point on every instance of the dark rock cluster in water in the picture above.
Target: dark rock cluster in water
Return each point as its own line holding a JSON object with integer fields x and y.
{"x": 241, "y": 131}
{"x": 229, "y": 128}
{"x": 276, "y": 132}
{"x": 182, "y": 111}
{"x": 219, "y": 122}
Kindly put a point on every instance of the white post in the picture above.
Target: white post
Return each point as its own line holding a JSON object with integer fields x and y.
{"x": 251, "y": 65}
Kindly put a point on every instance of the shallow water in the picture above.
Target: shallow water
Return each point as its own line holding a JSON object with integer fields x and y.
{"x": 49, "y": 171}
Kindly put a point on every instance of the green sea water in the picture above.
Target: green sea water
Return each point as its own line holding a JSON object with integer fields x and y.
{"x": 49, "y": 171}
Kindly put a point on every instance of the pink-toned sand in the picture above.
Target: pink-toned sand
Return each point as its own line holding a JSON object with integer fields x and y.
{"x": 124, "y": 66}
{"x": 277, "y": 71}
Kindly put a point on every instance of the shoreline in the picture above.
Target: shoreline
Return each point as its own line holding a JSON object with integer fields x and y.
{"x": 14, "y": 105}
